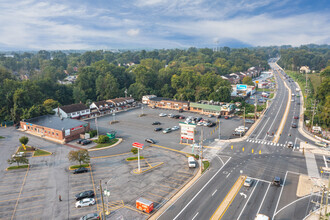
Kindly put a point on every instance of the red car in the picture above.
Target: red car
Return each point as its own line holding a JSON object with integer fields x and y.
{"x": 296, "y": 117}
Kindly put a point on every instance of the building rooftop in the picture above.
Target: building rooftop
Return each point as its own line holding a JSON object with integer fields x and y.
{"x": 55, "y": 122}
{"x": 74, "y": 108}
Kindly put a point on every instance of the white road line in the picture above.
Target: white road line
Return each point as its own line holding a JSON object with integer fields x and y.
{"x": 262, "y": 202}
{"x": 220, "y": 159}
{"x": 325, "y": 162}
{"x": 196, "y": 193}
{"x": 292, "y": 203}
{"x": 262, "y": 128}
{"x": 228, "y": 175}
{"x": 214, "y": 192}
{"x": 278, "y": 201}
{"x": 276, "y": 115}
{"x": 195, "y": 216}
{"x": 247, "y": 201}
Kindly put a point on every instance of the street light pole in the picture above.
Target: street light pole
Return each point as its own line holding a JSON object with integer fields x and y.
{"x": 103, "y": 209}
{"x": 201, "y": 156}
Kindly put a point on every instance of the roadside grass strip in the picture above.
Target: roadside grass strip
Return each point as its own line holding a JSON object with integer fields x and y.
{"x": 25, "y": 166}
{"x": 40, "y": 153}
{"x": 221, "y": 210}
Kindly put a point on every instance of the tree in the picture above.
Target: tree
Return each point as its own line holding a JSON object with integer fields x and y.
{"x": 247, "y": 80}
{"x": 24, "y": 140}
{"x": 18, "y": 160}
{"x": 81, "y": 156}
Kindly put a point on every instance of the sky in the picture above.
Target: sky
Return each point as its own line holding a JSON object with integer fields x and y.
{"x": 158, "y": 24}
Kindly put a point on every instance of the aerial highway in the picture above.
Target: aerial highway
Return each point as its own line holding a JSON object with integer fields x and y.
{"x": 261, "y": 156}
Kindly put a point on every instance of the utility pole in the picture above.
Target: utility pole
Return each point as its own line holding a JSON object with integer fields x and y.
{"x": 321, "y": 203}
{"x": 313, "y": 113}
{"x": 219, "y": 129}
{"x": 244, "y": 119}
{"x": 201, "y": 156}
{"x": 255, "y": 106}
{"x": 103, "y": 209}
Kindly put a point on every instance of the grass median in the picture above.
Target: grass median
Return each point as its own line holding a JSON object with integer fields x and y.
{"x": 206, "y": 165}
{"x": 18, "y": 167}
{"x": 134, "y": 158}
{"x": 111, "y": 142}
{"x": 78, "y": 166}
{"x": 2, "y": 137}
{"x": 41, "y": 153}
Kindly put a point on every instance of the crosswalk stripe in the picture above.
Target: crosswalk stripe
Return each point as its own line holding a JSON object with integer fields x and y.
{"x": 278, "y": 144}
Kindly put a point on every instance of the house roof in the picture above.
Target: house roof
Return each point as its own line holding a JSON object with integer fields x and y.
{"x": 54, "y": 122}
{"x": 74, "y": 108}
{"x": 103, "y": 103}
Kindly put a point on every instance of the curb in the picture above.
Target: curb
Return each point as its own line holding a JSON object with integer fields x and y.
{"x": 103, "y": 148}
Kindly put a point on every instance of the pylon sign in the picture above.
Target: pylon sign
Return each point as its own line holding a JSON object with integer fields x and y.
{"x": 138, "y": 145}
{"x": 187, "y": 131}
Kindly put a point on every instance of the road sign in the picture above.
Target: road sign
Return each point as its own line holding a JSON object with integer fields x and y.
{"x": 138, "y": 145}
{"x": 187, "y": 131}
{"x": 106, "y": 192}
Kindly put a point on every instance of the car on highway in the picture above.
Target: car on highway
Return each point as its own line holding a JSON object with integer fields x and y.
{"x": 276, "y": 181}
{"x": 149, "y": 140}
{"x": 321, "y": 144}
{"x": 80, "y": 170}
{"x": 85, "y": 194}
{"x": 296, "y": 117}
{"x": 294, "y": 125}
{"x": 156, "y": 123}
{"x": 85, "y": 202}
{"x": 158, "y": 129}
{"x": 248, "y": 182}
{"x": 290, "y": 144}
{"x": 175, "y": 128}
{"x": 261, "y": 217}
{"x": 162, "y": 115}
{"x": 91, "y": 216}
{"x": 167, "y": 130}
{"x": 292, "y": 100}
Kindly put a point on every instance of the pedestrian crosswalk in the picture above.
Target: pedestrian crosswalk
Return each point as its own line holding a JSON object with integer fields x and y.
{"x": 257, "y": 141}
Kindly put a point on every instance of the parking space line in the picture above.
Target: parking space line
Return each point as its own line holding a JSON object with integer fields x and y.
{"x": 97, "y": 205}
{"x": 167, "y": 186}
{"x": 80, "y": 213}
{"x": 177, "y": 179}
{"x": 247, "y": 200}
{"x": 165, "y": 191}
{"x": 157, "y": 195}
{"x": 179, "y": 171}
{"x": 136, "y": 210}
{"x": 172, "y": 182}
{"x": 151, "y": 200}
{"x": 22, "y": 198}
{"x": 181, "y": 175}
{"x": 33, "y": 207}
{"x": 20, "y": 192}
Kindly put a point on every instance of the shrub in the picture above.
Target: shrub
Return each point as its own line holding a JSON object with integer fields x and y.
{"x": 134, "y": 150}
{"x": 103, "y": 139}
{"x": 92, "y": 133}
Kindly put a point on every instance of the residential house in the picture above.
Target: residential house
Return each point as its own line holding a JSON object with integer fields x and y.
{"x": 101, "y": 108}
{"x": 305, "y": 69}
{"x": 74, "y": 111}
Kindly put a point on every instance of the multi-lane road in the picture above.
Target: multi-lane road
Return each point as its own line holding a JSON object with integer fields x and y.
{"x": 261, "y": 156}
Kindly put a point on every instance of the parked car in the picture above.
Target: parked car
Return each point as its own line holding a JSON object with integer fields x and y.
{"x": 182, "y": 117}
{"x": 226, "y": 117}
{"x": 167, "y": 130}
{"x": 250, "y": 121}
{"x": 296, "y": 117}
{"x": 180, "y": 110}
{"x": 212, "y": 124}
{"x": 248, "y": 182}
{"x": 85, "y": 194}
{"x": 80, "y": 170}
{"x": 158, "y": 129}
{"x": 218, "y": 116}
{"x": 156, "y": 123}
{"x": 176, "y": 116}
{"x": 276, "y": 181}
{"x": 171, "y": 116}
{"x": 175, "y": 128}
{"x": 321, "y": 143}
{"x": 210, "y": 116}
{"x": 261, "y": 217}
{"x": 92, "y": 216}
{"x": 149, "y": 140}
{"x": 238, "y": 133}
{"x": 85, "y": 142}
{"x": 290, "y": 144}
{"x": 328, "y": 159}
{"x": 294, "y": 125}
{"x": 18, "y": 154}
{"x": 79, "y": 141}
{"x": 162, "y": 115}
{"x": 85, "y": 202}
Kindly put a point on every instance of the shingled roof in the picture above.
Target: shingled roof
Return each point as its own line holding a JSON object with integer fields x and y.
{"x": 74, "y": 108}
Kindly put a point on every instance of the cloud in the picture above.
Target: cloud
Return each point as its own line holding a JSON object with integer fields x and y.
{"x": 133, "y": 32}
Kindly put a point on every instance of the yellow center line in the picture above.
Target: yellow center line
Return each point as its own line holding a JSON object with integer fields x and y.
{"x": 20, "y": 192}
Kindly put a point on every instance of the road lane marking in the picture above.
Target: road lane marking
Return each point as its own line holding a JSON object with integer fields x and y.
{"x": 262, "y": 128}
{"x": 228, "y": 175}
{"x": 195, "y": 216}
{"x": 220, "y": 160}
{"x": 280, "y": 194}
{"x": 214, "y": 192}
{"x": 297, "y": 200}
{"x": 262, "y": 202}
{"x": 196, "y": 193}
{"x": 20, "y": 192}
{"x": 325, "y": 162}
{"x": 247, "y": 201}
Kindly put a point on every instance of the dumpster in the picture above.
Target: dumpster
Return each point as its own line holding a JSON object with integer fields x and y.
{"x": 144, "y": 205}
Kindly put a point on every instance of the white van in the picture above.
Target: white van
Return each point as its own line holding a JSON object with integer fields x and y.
{"x": 191, "y": 162}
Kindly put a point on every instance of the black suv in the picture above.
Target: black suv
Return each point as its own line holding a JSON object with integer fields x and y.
{"x": 156, "y": 123}
{"x": 80, "y": 170}
{"x": 80, "y": 141}
{"x": 86, "y": 194}
{"x": 85, "y": 142}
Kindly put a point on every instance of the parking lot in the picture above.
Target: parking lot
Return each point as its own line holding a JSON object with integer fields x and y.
{"x": 133, "y": 128}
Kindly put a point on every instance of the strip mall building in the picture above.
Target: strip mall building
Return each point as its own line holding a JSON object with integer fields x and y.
{"x": 55, "y": 128}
